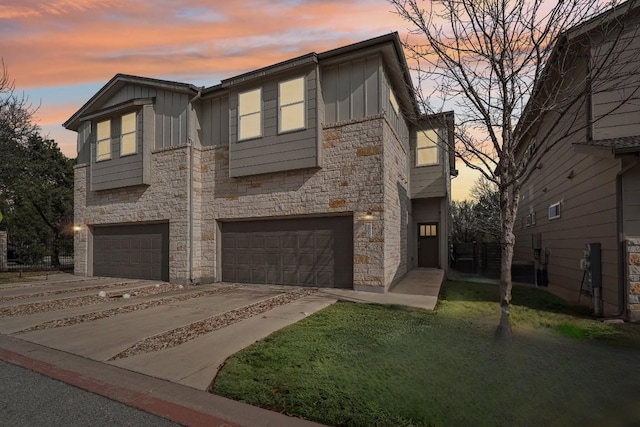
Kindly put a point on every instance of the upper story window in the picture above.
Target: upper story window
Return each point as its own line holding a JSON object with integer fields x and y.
{"x": 394, "y": 103}
{"x": 128, "y": 135}
{"x": 250, "y": 114}
{"x": 427, "y": 148}
{"x": 291, "y": 104}
{"x": 103, "y": 140}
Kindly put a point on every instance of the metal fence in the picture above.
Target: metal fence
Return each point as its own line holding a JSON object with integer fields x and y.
{"x": 476, "y": 258}
{"x": 24, "y": 253}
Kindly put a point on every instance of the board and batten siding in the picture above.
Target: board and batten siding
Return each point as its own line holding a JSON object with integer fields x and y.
{"x": 170, "y": 108}
{"x": 615, "y": 99}
{"x": 351, "y": 90}
{"x": 273, "y": 151}
{"x": 119, "y": 171}
{"x": 585, "y": 187}
{"x": 631, "y": 201}
{"x": 84, "y": 143}
{"x": 214, "y": 121}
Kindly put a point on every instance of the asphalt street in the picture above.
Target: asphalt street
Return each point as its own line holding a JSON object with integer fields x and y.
{"x": 30, "y": 399}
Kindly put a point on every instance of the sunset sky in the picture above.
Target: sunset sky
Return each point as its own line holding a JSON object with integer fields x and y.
{"x": 60, "y": 52}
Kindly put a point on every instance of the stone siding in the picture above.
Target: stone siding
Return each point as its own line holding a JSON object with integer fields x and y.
{"x": 396, "y": 203}
{"x": 365, "y": 172}
{"x": 166, "y": 199}
{"x": 633, "y": 277}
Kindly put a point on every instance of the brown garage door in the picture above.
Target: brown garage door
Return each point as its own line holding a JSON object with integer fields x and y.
{"x": 301, "y": 251}
{"x": 132, "y": 251}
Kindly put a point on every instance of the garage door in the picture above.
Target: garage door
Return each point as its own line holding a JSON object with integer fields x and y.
{"x": 132, "y": 251}
{"x": 301, "y": 251}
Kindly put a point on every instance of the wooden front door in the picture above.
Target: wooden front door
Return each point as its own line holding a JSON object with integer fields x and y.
{"x": 428, "y": 246}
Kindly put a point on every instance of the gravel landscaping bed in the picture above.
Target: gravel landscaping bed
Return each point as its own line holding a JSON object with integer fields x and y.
{"x": 61, "y": 304}
{"x": 67, "y": 291}
{"x": 194, "y": 330}
{"x": 96, "y": 315}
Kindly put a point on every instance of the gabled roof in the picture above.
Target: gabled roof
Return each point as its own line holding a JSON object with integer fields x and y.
{"x": 388, "y": 44}
{"x": 570, "y": 36}
{"x": 119, "y": 81}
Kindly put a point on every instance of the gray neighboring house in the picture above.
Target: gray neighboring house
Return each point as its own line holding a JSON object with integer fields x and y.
{"x": 316, "y": 171}
{"x": 587, "y": 188}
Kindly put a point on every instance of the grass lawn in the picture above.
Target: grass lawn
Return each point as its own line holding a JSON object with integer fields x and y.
{"x": 365, "y": 365}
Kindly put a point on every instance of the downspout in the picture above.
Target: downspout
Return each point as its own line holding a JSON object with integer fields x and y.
{"x": 622, "y": 279}
{"x": 190, "y": 182}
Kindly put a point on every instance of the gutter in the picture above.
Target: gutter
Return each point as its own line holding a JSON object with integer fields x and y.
{"x": 622, "y": 279}
{"x": 190, "y": 182}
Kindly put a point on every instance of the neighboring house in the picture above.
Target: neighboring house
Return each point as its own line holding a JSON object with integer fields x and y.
{"x": 313, "y": 171}
{"x": 586, "y": 189}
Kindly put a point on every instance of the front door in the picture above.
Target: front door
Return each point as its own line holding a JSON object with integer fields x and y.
{"x": 428, "y": 247}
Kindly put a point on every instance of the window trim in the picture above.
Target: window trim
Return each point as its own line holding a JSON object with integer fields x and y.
{"x": 106, "y": 140}
{"x": 553, "y": 206}
{"x": 303, "y": 102}
{"x": 134, "y": 132}
{"x": 259, "y": 113}
{"x": 434, "y": 147}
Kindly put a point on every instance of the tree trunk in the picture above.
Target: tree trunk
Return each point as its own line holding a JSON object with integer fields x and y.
{"x": 509, "y": 208}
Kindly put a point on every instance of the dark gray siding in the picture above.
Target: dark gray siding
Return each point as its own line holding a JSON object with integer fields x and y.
{"x": 351, "y": 90}
{"x": 84, "y": 143}
{"x": 427, "y": 181}
{"x": 119, "y": 171}
{"x": 274, "y": 152}
{"x": 214, "y": 121}
{"x": 631, "y": 201}
{"x": 170, "y": 108}
{"x": 616, "y": 104}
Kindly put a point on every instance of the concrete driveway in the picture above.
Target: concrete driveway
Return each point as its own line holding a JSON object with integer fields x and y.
{"x": 180, "y": 334}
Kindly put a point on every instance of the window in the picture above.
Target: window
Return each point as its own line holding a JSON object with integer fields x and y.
{"x": 128, "y": 135}
{"x": 250, "y": 114}
{"x": 291, "y": 104}
{"x": 394, "y": 102}
{"x": 428, "y": 230}
{"x": 554, "y": 211}
{"x": 427, "y": 148}
{"x": 103, "y": 141}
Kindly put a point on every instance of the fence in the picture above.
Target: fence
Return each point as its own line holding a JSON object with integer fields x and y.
{"x": 23, "y": 253}
{"x": 476, "y": 258}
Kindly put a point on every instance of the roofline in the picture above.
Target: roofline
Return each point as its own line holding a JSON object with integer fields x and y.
{"x": 163, "y": 84}
{"x": 570, "y": 35}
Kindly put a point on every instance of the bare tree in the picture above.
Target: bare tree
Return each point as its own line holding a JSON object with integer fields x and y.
{"x": 486, "y": 209}
{"x": 510, "y": 69}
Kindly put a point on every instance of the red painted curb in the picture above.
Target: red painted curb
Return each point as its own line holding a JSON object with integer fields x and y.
{"x": 172, "y": 411}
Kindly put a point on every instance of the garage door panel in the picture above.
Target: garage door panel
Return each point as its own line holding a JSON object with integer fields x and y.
{"x": 302, "y": 251}
{"x": 132, "y": 251}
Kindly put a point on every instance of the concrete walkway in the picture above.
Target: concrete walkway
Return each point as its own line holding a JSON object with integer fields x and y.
{"x": 419, "y": 289}
{"x": 159, "y": 381}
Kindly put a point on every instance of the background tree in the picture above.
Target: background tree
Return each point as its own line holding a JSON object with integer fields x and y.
{"x": 487, "y": 59}
{"x": 36, "y": 179}
{"x": 486, "y": 199}
{"x": 463, "y": 224}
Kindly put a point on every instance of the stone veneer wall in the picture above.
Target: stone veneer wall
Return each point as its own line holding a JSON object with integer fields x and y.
{"x": 364, "y": 171}
{"x": 166, "y": 199}
{"x": 633, "y": 277}
{"x": 396, "y": 207}
{"x": 351, "y": 182}
{"x": 4, "y": 265}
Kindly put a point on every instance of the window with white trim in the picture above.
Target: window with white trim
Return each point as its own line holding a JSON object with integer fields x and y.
{"x": 554, "y": 211}
{"x": 128, "y": 134}
{"x": 427, "y": 148}
{"x": 291, "y": 104}
{"x": 103, "y": 140}
{"x": 250, "y": 114}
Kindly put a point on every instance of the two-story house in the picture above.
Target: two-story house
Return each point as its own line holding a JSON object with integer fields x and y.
{"x": 316, "y": 171}
{"x": 585, "y": 185}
